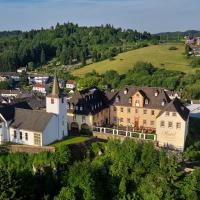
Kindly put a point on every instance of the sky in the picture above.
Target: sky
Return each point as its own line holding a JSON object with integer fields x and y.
{"x": 144, "y": 15}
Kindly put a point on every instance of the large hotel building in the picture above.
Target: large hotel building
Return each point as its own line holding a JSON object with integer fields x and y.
{"x": 142, "y": 109}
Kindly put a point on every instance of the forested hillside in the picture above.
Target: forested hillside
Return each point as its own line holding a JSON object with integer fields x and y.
{"x": 178, "y": 35}
{"x": 69, "y": 43}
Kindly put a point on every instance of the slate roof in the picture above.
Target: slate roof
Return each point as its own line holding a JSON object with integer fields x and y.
{"x": 31, "y": 120}
{"x": 154, "y": 102}
{"x": 176, "y": 106}
{"x": 8, "y": 111}
{"x": 92, "y": 100}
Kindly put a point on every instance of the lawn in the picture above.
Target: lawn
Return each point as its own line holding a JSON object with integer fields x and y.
{"x": 158, "y": 55}
{"x": 71, "y": 140}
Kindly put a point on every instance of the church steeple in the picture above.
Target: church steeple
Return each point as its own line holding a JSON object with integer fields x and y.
{"x": 55, "y": 89}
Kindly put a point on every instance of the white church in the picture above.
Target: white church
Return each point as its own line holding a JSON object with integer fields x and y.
{"x": 34, "y": 127}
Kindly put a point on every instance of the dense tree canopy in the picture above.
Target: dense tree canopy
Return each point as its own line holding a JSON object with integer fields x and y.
{"x": 69, "y": 43}
{"x": 145, "y": 74}
{"x": 110, "y": 170}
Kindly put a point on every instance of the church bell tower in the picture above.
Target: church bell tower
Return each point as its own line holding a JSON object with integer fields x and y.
{"x": 56, "y": 103}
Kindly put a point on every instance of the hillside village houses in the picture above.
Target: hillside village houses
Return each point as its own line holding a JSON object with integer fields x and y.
{"x": 144, "y": 110}
{"x": 41, "y": 87}
{"x": 35, "y": 127}
{"x": 71, "y": 84}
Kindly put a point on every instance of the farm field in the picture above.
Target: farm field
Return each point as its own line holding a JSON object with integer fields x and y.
{"x": 159, "y": 55}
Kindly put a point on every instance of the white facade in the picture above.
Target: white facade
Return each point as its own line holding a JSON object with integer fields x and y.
{"x": 27, "y": 137}
{"x": 172, "y": 130}
{"x": 41, "y": 88}
{"x": 53, "y": 128}
{"x": 21, "y": 69}
{"x": 58, "y": 106}
{"x": 71, "y": 85}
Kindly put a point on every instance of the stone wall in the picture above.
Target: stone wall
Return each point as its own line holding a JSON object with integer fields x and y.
{"x": 30, "y": 149}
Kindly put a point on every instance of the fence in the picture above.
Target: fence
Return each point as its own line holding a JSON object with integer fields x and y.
{"x": 123, "y": 133}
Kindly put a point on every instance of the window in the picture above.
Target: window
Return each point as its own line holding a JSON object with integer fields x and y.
{"x": 136, "y": 110}
{"x": 128, "y": 120}
{"x": 130, "y": 100}
{"x": 63, "y": 100}
{"x": 114, "y": 119}
{"x": 144, "y": 122}
{"x": 128, "y": 110}
{"x": 81, "y": 108}
{"x": 137, "y": 103}
{"x": 151, "y": 123}
{"x": 117, "y": 99}
{"x": 122, "y": 109}
{"x": 146, "y": 101}
{"x": 121, "y": 120}
{"x": 74, "y": 117}
{"x": 26, "y": 136}
{"x": 178, "y": 125}
{"x": 37, "y": 139}
{"x": 162, "y": 124}
{"x": 145, "y": 112}
{"x": 68, "y": 106}
{"x": 114, "y": 109}
{"x": 174, "y": 114}
{"x": 170, "y": 125}
{"x": 83, "y": 118}
{"x": 20, "y": 135}
{"x": 52, "y": 101}
{"x": 167, "y": 113}
{"x": 15, "y": 134}
{"x": 152, "y": 112}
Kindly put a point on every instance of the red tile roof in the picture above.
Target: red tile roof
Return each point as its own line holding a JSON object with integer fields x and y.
{"x": 71, "y": 82}
{"x": 39, "y": 85}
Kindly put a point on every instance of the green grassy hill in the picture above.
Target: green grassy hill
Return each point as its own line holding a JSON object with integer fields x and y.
{"x": 158, "y": 55}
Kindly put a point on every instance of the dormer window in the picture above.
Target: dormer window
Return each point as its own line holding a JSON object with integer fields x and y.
{"x": 130, "y": 100}
{"x": 163, "y": 103}
{"x": 81, "y": 108}
{"x": 126, "y": 91}
{"x": 117, "y": 99}
{"x": 146, "y": 102}
{"x": 156, "y": 93}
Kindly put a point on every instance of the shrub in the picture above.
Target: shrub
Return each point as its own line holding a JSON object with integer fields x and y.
{"x": 173, "y": 48}
{"x": 195, "y": 62}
